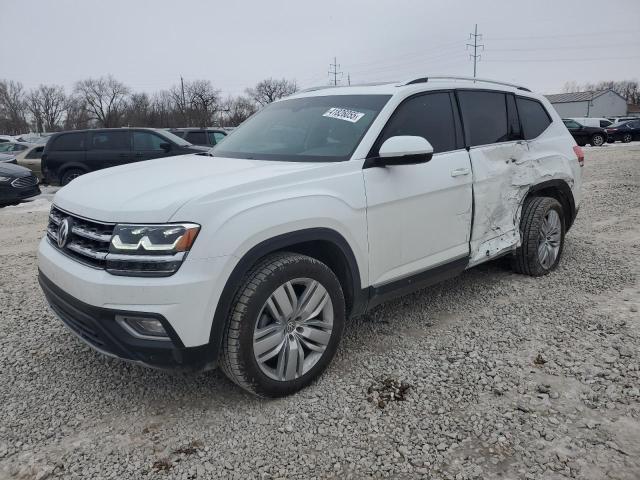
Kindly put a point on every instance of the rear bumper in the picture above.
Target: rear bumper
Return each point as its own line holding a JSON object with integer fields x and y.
{"x": 97, "y": 327}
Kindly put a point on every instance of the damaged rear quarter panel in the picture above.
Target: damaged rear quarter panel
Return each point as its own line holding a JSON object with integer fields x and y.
{"x": 503, "y": 175}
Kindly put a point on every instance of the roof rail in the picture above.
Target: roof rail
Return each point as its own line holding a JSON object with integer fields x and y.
{"x": 322, "y": 87}
{"x": 471, "y": 79}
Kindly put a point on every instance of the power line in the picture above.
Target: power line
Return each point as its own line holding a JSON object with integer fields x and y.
{"x": 475, "y": 35}
{"x": 335, "y": 71}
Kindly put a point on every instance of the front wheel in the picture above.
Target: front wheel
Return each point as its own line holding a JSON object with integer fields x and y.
{"x": 70, "y": 175}
{"x": 627, "y": 138}
{"x": 542, "y": 229}
{"x": 285, "y": 325}
{"x": 597, "y": 140}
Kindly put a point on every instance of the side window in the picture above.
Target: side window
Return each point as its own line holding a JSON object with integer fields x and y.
{"x": 571, "y": 124}
{"x": 69, "y": 141}
{"x": 216, "y": 137}
{"x": 147, "y": 141}
{"x": 533, "y": 116}
{"x": 197, "y": 138}
{"x": 429, "y": 116}
{"x": 35, "y": 153}
{"x": 485, "y": 117}
{"x": 110, "y": 141}
{"x": 604, "y": 123}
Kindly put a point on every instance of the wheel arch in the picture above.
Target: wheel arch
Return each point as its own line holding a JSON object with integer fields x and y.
{"x": 323, "y": 244}
{"x": 561, "y": 191}
{"x": 70, "y": 166}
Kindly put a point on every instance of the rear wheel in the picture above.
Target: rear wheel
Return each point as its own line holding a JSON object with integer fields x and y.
{"x": 627, "y": 137}
{"x": 542, "y": 229}
{"x": 581, "y": 143}
{"x": 597, "y": 140}
{"x": 70, "y": 175}
{"x": 285, "y": 325}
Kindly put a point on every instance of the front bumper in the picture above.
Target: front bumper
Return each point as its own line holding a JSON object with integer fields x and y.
{"x": 97, "y": 327}
{"x": 10, "y": 194}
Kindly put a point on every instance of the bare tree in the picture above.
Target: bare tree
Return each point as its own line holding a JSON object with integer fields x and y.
{"x": 270, "y": 90}
{"x": 197, "y": 101}
{"x": 138, "y": 111}
{"x": 628, "y": 89}
{"x": 106, "y": 99}
{"x": 13, "y": 107}
{"x": 237, "y": 110}
{"x": 78, "y": 115}
{"x": 48, "y": 105}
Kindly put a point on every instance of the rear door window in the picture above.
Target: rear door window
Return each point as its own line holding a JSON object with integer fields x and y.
{"x": 429, "y": 116}
{"x": 115, "y": 140}
{"x": 197, "y": 138}
{"x": 69, "y": 142}
{"x": 533, "y": 116}
{"x": 485, "y": 117}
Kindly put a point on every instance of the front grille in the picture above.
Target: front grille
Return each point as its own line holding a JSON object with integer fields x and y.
{"x": 87, "y": 240}
{"x": 75, "y": 323}
{"x": 25, "y": 182}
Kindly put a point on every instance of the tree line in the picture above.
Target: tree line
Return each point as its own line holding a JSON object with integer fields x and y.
{"x": 106, "y": 102}
{"x": 628, "y": 89}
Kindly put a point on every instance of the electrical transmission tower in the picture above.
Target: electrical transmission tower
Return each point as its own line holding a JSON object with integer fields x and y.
{"x": 333, "y": 71}
{"x": 475, "y": 36}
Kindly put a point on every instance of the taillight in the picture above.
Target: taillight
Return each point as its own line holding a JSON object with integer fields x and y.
{"x": 580, "y": 154}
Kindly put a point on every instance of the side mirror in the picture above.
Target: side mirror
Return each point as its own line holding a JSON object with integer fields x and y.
{"x": 403, "y": 150}
{"x": 166, "y": 147}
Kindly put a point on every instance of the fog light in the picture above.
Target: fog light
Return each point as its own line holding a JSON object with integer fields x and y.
{"x": 143, "y": 327}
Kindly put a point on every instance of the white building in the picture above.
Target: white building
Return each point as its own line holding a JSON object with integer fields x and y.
{"x": 603, "y": 103}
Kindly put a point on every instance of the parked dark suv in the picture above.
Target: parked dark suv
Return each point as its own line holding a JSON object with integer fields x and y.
{"x": 68, "y": 155}
{"x": 200, "y": 136}
{"x": 595, "y": 136}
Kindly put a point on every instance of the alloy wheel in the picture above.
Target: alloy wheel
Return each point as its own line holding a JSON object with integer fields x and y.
{"x": 293, "y": 329}
{"x": 597, "y": 140}
{"x": 549, "y": 239}
{"x": 627, "y": 138}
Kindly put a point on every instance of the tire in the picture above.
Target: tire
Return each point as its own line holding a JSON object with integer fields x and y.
{"x": 627, "y": 137}
{"x": 597, "y": 140}
{"x": 263, "y": 370}
{"x": 581, "y": 143}
{"x": 539, "y": 216}
{"x": 70, "y": 175}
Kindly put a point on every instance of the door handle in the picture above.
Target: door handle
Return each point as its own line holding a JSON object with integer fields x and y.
{"x": 459, "y": 172}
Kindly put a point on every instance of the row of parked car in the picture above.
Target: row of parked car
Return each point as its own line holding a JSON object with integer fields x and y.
{"x": 598, "y": 131}
{"x": 67, "y": 155}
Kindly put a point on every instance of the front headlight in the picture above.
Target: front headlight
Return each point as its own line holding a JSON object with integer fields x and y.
{"x": 150, "y": 250}
{"x": 5, "y": 179}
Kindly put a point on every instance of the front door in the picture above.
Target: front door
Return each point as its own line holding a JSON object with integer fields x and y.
{"x": 419, "y": 216}
{"x": 148, "y": 145}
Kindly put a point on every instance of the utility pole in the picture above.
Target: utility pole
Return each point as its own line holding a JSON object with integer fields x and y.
{"x": 349, "y": 79}
{"x": 333, "y": 70}
{"x": 184, "y": 107}
{"x": 475, "y": 35}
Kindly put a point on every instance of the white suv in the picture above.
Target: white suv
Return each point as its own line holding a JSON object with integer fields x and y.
{"x": 317, "y": 208}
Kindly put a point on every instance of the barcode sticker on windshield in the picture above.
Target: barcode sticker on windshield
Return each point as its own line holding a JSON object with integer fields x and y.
{"x": 343, "y": 114}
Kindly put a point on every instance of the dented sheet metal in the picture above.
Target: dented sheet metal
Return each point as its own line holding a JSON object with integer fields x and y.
{"x": 503, "y": 174}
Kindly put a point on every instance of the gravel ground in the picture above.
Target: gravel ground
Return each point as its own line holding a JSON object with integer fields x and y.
{"x": 491, "y": 375}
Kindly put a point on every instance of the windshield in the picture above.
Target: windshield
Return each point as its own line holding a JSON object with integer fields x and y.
{"x": 311, "y": 129}
{"x": 174, "y": 138}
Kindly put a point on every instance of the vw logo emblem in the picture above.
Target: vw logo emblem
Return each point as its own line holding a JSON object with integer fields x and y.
{"x": 63, "y": 232}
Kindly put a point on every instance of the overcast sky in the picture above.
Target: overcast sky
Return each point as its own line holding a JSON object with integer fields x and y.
{"x": 150, "y": 44}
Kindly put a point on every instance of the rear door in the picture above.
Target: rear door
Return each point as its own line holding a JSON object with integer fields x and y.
{"x": 419, "y": 216}
{"x": 108, "y": 148}
{"x": 65, "y": 151}
{"x": 496, "y": 147}
{"x": 32, "y": 159}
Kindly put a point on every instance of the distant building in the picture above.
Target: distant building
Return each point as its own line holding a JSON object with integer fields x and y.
{"x": 633, "y": 110}
{"x": 602, "y": 103}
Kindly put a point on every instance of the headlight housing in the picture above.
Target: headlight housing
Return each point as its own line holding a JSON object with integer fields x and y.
{"x": 149, "y": 250}
{"x": 5, "y": 179}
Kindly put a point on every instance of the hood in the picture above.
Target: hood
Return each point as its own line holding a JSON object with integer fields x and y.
{"x": 10, "y": 170}
{"x": 6, "y": 157}
{"x": 152, "y": 191}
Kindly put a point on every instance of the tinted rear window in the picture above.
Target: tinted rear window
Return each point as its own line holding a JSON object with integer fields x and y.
{"x": 111, "y": 141}
{"x": 485, "y": 117}
{"x": 197, "y": 138}
{"x": 69, "y": 141}
{"x": 533, "y": 116}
